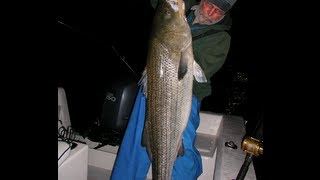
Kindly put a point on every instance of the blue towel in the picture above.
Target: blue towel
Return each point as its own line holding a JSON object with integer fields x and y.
{"x": 132, "y": 161}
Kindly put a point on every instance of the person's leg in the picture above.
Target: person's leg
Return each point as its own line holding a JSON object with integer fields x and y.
{"x": 132, "y": 160}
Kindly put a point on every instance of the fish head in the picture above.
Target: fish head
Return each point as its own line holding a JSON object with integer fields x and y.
{"x": 169, "y": 28}
{"x": 168, "y": 11}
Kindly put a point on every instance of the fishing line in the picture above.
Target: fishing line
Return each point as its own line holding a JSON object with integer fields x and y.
{"x": 122, "y": 58}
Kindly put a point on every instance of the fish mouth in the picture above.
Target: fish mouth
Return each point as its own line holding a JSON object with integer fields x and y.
{"x": 175, "y": 5}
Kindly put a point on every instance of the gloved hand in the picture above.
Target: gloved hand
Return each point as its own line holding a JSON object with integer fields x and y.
{"x": 132, "y": 161}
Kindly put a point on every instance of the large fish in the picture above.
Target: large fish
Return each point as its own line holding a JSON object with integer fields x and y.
{"x": 167, "y": 81}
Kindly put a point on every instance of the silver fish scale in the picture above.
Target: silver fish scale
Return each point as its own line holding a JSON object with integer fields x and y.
{"x": 169, "y": 102}
{"x": 168, "y": 99}
{"x": 162, "y": 110}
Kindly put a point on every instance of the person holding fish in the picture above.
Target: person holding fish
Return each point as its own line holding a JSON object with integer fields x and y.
{"x": 163, "y": 123}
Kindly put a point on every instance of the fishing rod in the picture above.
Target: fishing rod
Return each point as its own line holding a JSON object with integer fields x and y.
{"x": 253, "y": 147}
{"x": 121, "y": 57}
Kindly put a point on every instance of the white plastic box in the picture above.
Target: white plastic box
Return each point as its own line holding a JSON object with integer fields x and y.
{"x": 75, "y": 167}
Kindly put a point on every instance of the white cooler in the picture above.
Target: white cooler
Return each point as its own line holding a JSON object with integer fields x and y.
{"x": 75, "y": 165}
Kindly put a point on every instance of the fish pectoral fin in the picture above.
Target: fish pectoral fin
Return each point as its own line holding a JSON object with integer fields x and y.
{"x": 181, "y": 149}
{"x": 143, "y": 82}
{"x": 145, "y": 141}
{"x": 183, "y": 65}
{"x": 198, "y": 73}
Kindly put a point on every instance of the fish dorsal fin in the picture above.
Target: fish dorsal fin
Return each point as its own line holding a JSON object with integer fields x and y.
{"x": 143, "y": 82}
{"x": 198, "y": 73}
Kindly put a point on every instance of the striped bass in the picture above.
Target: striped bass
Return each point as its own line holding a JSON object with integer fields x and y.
{"x": 167, "y": 84}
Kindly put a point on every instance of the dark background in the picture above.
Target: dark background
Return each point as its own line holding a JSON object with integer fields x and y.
{"x": 84, "y": 47}
{"x": 91, "y": 30}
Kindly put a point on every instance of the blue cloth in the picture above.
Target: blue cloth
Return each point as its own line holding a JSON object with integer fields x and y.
{"x": 132, "y": 161}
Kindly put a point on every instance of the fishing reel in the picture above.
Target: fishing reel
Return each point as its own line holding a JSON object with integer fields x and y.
{"x": 252, "y": 146}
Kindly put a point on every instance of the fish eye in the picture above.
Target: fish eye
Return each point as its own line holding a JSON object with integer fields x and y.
{"x": 167, "y": 12}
